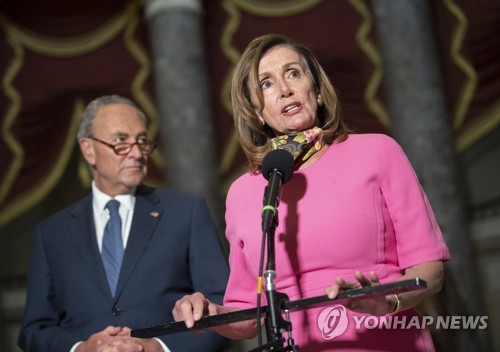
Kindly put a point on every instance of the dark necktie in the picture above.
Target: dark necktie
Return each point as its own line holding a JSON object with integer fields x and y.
{"x": 112, "y": 245}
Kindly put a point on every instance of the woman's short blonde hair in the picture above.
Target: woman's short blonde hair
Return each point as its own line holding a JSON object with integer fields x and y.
{"x": 255, "y": 138}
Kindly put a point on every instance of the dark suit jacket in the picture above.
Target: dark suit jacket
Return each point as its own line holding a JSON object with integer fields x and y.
{"x": 172, "y": 250}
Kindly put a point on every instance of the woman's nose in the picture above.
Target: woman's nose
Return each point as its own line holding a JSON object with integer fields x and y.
{"x": 285, "y": 90}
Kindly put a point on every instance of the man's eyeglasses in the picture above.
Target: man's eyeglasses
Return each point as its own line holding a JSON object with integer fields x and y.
{"x": 146, "y": 146}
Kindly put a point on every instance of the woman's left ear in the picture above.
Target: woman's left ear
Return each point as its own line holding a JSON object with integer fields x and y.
{"x": 259, "y": 116}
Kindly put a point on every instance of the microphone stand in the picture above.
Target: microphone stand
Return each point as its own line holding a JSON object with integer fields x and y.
{"x": 274, "y": 321}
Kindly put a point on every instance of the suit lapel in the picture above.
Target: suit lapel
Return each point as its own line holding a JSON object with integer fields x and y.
{"x": 146, "y": 216}
{"x": 82, "y": 231}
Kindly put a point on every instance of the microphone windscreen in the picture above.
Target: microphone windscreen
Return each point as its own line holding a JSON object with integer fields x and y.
{"x": 278, "y": 159}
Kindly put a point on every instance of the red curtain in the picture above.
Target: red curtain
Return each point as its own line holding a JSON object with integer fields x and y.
{"x": 58, "y": 55}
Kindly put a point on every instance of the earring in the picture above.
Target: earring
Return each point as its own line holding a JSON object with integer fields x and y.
{"x": 320, "y": 100}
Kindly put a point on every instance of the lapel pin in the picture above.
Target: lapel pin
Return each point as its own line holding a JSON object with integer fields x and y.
{"x": 154, "y": 214}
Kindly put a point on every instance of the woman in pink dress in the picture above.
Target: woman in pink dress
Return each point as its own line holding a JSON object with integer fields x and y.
{"x": 353, "y": 214}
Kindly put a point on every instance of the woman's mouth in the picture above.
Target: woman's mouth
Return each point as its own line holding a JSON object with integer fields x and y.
{"x": 291, "y": 108}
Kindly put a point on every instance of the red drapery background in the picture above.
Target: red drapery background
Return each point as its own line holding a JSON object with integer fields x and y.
{"x": 58, "y": 55}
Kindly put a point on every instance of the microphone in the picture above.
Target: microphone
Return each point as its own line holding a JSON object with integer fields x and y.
{"x": 277, "y": 168}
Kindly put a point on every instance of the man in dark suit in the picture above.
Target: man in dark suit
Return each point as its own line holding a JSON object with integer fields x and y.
{"x": 86, "y": 293}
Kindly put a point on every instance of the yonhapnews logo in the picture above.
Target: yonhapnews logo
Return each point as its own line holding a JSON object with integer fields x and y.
{"x": 333, "y": 321}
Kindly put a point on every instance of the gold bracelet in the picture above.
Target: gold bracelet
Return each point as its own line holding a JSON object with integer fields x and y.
{"x": 398, "y": 304}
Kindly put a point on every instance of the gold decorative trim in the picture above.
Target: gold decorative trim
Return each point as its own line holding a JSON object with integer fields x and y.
{"x": 469, "y": 88}
{"x": 21, "y": 39}
{"x": 266, "y": 8}
{"x": 12, "y": 111}
{"x": 76, "y": 45}
{"x": 232, "y": 54}
{"x": 139, "y": 93}
{"x": 84, "y": 174}
{"x": 366, "y": 45}
{"x": 484, "y": 124}
{"x": 230, "y": 151}
{"x": 488, "y": 120}
{"x": 41, "y": 189}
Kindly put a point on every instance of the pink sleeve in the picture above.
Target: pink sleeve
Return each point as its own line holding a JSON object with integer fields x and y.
{"x": 418, "y": 236}
{"x": 241, "y": 289}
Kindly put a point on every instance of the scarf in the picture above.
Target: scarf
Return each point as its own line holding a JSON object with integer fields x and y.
{"x": 301, "y": 145}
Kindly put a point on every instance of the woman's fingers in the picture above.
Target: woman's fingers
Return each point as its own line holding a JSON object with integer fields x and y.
{"x": 190, "y": 308}
{"x": 371, "y": 280}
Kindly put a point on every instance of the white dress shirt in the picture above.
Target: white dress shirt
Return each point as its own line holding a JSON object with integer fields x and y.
{"x": 101, "y": 217}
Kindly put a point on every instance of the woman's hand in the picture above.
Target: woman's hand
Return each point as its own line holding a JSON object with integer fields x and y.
{"x": 430, "y": 272}
{"x": 192, "y": 308}
{"x": 374, "y": 306}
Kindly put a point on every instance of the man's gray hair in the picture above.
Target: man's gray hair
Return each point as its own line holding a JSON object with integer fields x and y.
{"x": 86, "y": 124}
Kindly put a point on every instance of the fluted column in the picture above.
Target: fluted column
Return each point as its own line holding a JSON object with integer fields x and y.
{"x": 182, "y": 96}
{"x": 421, "y": 124}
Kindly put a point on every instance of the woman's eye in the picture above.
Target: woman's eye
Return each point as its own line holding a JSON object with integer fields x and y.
{"x": 294, "y": 74}
{"x": 265, "y": 84}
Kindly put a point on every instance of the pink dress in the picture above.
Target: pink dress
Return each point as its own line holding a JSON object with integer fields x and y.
{"x": 359, "y": 207}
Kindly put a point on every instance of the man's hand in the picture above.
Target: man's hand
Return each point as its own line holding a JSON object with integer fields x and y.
{"x": 117, "y": 339}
